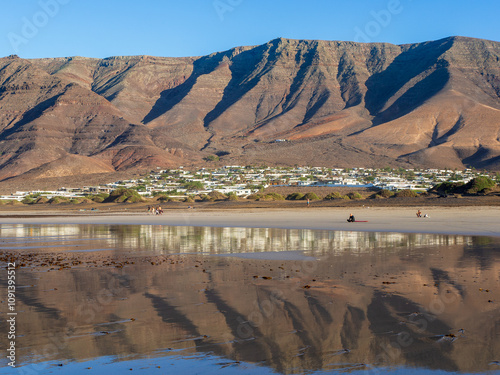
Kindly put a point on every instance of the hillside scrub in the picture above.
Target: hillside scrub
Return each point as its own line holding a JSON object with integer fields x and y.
{"x": 27, "y": 200}
{"x": 123, "y": 195}
{"x": 384, "y": 193}
{"x": 479, "y": 185}
{"x": 407, "y": 193}
{"x": 335, "y": 195}
{"x": 232, "y": 197}
{"x": 448, "y": 188}
{"x": 266, "y": 197}
{"x": 98, "y": 198}
{"x": 194, "y": 185}
{"x": 206, "y": 198}
{"x": 294, "y": 196}
{"x": 310, "y": 196}
{"x": 58, "y": 200}
{"x": 355, "y": 195}
{"x": 41, "y": 200}
{"x": 217, "y": 195}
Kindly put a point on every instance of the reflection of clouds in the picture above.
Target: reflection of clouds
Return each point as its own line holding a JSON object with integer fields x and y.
{"x": 188, "y": 239}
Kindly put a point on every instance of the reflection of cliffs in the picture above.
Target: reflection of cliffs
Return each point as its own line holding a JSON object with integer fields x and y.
{"x": 382, "y": 309}
{"x": 188, "y": 239}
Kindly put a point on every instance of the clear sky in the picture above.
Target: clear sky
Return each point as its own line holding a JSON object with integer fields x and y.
{"x": 102, "y": 28}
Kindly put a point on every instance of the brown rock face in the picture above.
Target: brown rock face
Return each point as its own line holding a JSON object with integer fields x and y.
{"x": 433, "y": 104}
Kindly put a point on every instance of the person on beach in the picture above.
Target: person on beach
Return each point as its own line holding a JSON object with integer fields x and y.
{"x": 419, "y": 213}
{"x": 308, "y": 202}
{"x": 351, "y": 219}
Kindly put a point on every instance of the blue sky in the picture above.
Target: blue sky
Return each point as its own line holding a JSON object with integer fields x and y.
{"x": 92, "y": 28}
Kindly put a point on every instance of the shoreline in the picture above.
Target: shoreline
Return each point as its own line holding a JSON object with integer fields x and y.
{"x": 482, "y": 221}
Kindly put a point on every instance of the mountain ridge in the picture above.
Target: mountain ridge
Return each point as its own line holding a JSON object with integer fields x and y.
{"x": 432, "y": 104}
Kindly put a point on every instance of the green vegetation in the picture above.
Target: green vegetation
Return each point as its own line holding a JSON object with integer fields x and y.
{"x": 294, "y": 196}
{"x": 217, "y": 195}
{"x": 194, "y": 185}
{"x": 255, "y": 187}
{"x": 122, "y": 195}
{"x": 448, "y": 187}
{"x": 232, "y": 197}
{"x": 335, "y": 195}
{"x": 58, "y": 200}
{"x": 407, "y": 193}
{"x": 211, "y": 158}
{"x": 479, "y": 185}
{"x": 301, "y": 196}
{"x": 79, "y": 200}
{"x": 98, "y": 198}
{"x": 355, "y": 195}
{"x": 311, "y": 197}
{"x": 28, "y": 200}
{"x": 213, "y": 196}
{"x": 41, "y": 200}
{"x": 267, "y": 197}
{"x": 384, "y": 193}
{"x": 274, "y": 197}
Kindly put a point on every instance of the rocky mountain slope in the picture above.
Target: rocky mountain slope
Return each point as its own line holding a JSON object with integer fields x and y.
{"x": 433, "y": 104}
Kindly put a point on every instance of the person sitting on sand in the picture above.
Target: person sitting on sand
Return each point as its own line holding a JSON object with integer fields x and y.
{"x": 351, "y": 219}
{"x": 419, "y": 213}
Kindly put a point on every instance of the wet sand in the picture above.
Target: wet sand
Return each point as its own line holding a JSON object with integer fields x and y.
{"x": 442, "y": 220}
{"x": 83, "y": 296}
{"x": 417, "y": 309}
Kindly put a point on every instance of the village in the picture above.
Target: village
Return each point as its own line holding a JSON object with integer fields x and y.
{"x": 246, "y": 180}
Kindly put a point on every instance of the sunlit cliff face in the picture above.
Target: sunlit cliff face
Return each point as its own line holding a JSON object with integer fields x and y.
{"x": 432, "y": 104}
{"x": 346, "y": 299}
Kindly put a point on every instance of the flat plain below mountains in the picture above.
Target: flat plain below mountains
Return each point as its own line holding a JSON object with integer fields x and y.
{"x": 330, "y": 103}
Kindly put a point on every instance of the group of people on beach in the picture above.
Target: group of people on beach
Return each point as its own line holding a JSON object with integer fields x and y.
{"x": 351, "y": 218}
{"x": 419, "y": 214}
{"x": 155, "y": 210}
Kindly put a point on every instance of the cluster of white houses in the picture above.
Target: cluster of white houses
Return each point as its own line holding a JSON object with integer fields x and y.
{"x": 244, "y": 181}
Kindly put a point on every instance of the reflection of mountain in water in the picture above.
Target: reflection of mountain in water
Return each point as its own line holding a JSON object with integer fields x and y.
{"x": 187, "y": 239}
{"x": 349, "y": 308}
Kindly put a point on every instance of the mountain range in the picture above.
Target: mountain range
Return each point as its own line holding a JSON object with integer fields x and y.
{"x": 329, "y": 103}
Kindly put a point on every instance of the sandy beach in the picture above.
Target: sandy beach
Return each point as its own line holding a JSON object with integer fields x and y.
{"x": 444, "y": 220}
